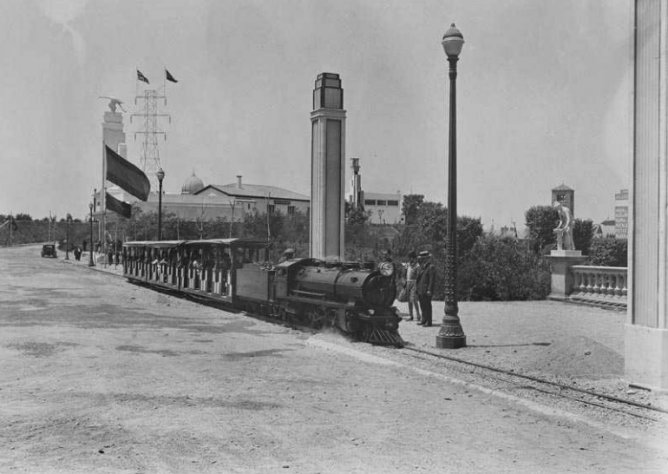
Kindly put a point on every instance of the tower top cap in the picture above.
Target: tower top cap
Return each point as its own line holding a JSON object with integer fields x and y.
{"x": 328, "y": 93}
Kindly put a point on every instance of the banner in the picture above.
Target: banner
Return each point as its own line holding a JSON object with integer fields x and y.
{"x": 126, "y": 175}
{"x": 118, "y": 206}
{"x": 141, "y": 77}
{"x": 169, "y": 76}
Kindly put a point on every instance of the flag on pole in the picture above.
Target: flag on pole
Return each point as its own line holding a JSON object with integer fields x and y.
{"x": 118, "y": 206}
{"x": 169, "y": 77}
{"x": 126, "y": 175}
{"x": 141, "y": 77}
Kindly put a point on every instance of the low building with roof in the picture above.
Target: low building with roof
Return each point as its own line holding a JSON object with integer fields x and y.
{"x": 258, "y": 198}
{"x": 230, "y": 202}
{"x": 605, "y": 229}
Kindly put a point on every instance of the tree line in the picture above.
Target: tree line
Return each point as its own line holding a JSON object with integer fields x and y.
{"x": 490, "y": 266}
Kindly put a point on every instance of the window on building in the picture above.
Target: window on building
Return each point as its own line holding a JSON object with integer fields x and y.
{"x": 271, "y": 208}
{"x": 382, "y": 203}
{"x": 393, "y": 203}
{"x": 369, "y": 202}
{"x": 291, "y": 210}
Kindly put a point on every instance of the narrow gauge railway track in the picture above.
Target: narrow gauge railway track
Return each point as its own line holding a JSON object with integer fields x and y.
{"x": 555, "y": 389}
{"x": 517, "y": 381}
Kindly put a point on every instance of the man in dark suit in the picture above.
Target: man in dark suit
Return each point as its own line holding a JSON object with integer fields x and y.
{"x": 425, "y": 286}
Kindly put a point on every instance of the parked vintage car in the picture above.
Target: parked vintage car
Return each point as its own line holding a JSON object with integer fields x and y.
{"x": 49, "y": 250}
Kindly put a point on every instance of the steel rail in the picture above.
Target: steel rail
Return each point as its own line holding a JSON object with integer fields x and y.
{"x": 539, "y": 380}
{"x": 587, "y": 402}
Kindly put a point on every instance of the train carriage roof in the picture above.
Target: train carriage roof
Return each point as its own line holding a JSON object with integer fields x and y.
{"x": 154, "y": 243}
{"x": 235, "y": 242}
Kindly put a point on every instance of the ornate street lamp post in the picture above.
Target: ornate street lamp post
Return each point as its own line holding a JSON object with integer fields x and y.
{"x": 67, "y": 236}
{"x": 90, "y": 261}
{"x": 161, "y": 175}
{"x": 451, "y": 335}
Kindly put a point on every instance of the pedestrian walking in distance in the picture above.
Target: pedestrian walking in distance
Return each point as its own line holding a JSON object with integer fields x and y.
{"x": 425, "y": 286}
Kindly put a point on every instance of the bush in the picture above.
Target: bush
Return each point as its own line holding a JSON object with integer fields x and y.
{"x": 501, "y": 269}
{"x": 541, "y": 221}
{"x": 583, "y": 233}
{"x": 609, "y": 252}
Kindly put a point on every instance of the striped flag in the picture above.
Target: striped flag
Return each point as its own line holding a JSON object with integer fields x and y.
{"x": 126, "y": 175}
{"x": 141, "y": 77}
{"x": 118, "y": 206}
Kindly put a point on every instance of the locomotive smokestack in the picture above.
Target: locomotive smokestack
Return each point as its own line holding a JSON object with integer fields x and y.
{"x": 328, "y": 151}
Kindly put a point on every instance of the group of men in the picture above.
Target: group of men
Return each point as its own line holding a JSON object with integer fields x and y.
{"x": 418, "y": 280}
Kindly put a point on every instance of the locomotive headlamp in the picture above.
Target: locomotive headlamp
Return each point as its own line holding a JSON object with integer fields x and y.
{"x": 386, "y": 269}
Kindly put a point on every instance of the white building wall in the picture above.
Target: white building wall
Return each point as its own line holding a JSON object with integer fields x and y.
{"x": 646, "y": 331}
{"x": 383, "y": 208}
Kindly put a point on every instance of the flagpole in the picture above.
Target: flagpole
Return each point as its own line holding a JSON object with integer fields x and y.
{"x": 103, "y": 201}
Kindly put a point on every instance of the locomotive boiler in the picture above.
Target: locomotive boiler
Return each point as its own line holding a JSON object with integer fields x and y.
{"x": 349, "y": 296}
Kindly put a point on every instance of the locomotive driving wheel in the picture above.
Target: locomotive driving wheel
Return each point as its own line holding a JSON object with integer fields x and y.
{"x": 316, "y": 317}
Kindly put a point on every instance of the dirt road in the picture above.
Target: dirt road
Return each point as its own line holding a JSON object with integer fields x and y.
{"x": 97, "y": 376}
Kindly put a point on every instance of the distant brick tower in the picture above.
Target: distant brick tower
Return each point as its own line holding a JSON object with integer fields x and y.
{"x": 565, "y": 196}
{"x": 328, "y": 139}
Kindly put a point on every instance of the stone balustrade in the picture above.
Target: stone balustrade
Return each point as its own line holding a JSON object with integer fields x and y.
{"x": 599, "y": 285}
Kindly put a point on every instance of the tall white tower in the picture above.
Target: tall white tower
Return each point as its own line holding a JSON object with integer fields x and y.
{"x": 113, "y": 136}
{"x": 328, "y": 139}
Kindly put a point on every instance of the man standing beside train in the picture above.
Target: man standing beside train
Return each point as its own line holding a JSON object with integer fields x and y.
{"x": 425, "y": 286}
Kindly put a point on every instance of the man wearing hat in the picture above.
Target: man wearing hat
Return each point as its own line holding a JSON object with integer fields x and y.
{"x": 425, "y": 286}
{"x": 288, "y": 254}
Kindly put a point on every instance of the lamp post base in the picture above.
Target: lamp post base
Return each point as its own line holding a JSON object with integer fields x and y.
{"x": 451, "y": 335}
{"x": 450, "y": 342}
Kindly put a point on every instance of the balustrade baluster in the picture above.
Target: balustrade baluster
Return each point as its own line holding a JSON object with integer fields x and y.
{"x": 590, "y": 286}
{"x": 624, "y": 285}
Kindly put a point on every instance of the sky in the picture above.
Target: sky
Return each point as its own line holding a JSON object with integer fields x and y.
{"x": 543, "y": 96}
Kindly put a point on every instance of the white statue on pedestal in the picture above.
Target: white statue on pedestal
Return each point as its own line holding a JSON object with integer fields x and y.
{"x": 564, "y": 230}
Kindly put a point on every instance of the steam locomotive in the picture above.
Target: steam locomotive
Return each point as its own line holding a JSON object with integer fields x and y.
{"x": 354, "y": 298}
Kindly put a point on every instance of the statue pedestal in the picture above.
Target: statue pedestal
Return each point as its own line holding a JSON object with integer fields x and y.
{"x": 561, "y": 262}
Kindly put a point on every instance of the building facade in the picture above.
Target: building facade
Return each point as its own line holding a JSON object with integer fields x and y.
{"x": 622, "y": 214}
{"x": 383, "y": 208}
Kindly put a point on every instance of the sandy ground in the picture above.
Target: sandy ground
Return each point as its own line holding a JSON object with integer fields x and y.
{"x": 97, "y": 375}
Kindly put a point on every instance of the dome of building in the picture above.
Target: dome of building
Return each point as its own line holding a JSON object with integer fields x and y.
{"x": 192, "y": 185}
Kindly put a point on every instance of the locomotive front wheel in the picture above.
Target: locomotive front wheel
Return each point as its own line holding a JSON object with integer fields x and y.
{"x": 315, "y": 318}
